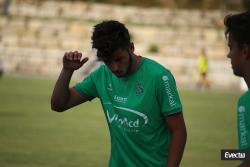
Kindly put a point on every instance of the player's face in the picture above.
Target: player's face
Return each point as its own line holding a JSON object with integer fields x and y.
{"x": 236, "y": 55}
{"x": 119, "y": 62}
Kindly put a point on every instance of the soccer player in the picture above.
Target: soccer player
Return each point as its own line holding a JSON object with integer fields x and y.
{"x": 139, "y": 98}
{"x": 238, "y": 35}
{"x": 203, "y": 69}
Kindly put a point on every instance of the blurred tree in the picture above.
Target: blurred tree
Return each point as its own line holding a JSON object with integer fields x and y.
{"x": 153, "y": 48}
{"x": 233, "y": 4}
{"x": 211, "y": 4}
{"x": 246, "y": 4}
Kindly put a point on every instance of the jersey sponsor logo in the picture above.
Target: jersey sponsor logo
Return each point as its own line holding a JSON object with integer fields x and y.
{"x": 168, "y": 91}
{"x": 120, "y": 99}
{"x": 132, "y": 121}
{"x": 242, "y": 126}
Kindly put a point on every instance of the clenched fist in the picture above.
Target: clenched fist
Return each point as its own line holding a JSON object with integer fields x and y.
{"x": 72, "y": 60}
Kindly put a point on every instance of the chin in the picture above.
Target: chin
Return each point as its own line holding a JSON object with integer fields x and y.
{"x": 119, "y": 76}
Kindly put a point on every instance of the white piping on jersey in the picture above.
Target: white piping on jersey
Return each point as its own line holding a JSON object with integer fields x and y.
{"x": 135, "y": 112}
{"x": 107, "y": 103}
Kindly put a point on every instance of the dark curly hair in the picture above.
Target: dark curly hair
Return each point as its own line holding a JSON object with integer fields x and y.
{"x": 108, "y": 36}
{"x": 239, "y": 26}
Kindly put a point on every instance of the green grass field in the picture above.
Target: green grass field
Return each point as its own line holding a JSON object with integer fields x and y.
{"x": 31, "y": 135}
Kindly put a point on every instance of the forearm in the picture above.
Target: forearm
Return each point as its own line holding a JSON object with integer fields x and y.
{"x": 61, "y": 90}
{"x": 177, "y": 146}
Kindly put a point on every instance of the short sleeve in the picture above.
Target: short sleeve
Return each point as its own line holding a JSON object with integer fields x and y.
{"x": 87, "y": 87}
{"x": 167, "y": 94}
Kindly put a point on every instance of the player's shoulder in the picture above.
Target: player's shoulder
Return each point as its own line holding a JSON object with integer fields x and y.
{"x": 101, "y": 68}
{"x": 154, "y": 68}
{"x": 245, "y": 96}
{"x": 99, "y": 71}
{"x": 244, "y": 99}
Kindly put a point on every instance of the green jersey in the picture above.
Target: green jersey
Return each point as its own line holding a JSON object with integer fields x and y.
{"x": 135, "y": 107}
{"x": 243, "y": 119}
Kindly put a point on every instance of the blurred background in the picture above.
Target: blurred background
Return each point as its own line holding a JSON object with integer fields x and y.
{"x": 34, "y": 35}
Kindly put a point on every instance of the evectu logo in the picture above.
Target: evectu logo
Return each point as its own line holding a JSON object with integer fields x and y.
{"x": 235, "y": 154}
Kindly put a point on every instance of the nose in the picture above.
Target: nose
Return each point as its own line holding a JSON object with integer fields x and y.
{"x": 228, "y": 55}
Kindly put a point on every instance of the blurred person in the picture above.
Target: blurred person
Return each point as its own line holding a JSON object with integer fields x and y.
{"x": 203, "y": 69}
{"x": 1, "y": 69}
{"x": 238, "y": 36}
{"x": 139, "y": 98}
{"x": 6, "y": 4}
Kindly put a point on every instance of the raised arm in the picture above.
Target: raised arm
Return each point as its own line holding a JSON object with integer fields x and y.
{"x": 64, "y": 97}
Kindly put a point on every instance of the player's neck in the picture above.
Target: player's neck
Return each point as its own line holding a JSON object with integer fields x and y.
{"x": 135, "y": 63}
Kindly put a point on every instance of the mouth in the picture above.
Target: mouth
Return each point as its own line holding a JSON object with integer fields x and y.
{"x": 118, "y": 73}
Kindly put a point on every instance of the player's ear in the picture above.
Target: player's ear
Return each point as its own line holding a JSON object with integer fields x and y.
{"x": 245, "y": 50}
{"x": 248, "y": 52}
{"x": 131, "y": 47}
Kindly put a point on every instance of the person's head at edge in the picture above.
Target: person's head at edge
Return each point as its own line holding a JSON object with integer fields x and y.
{"x": 238, "y": 36}
{"x": 111, "y": 39}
